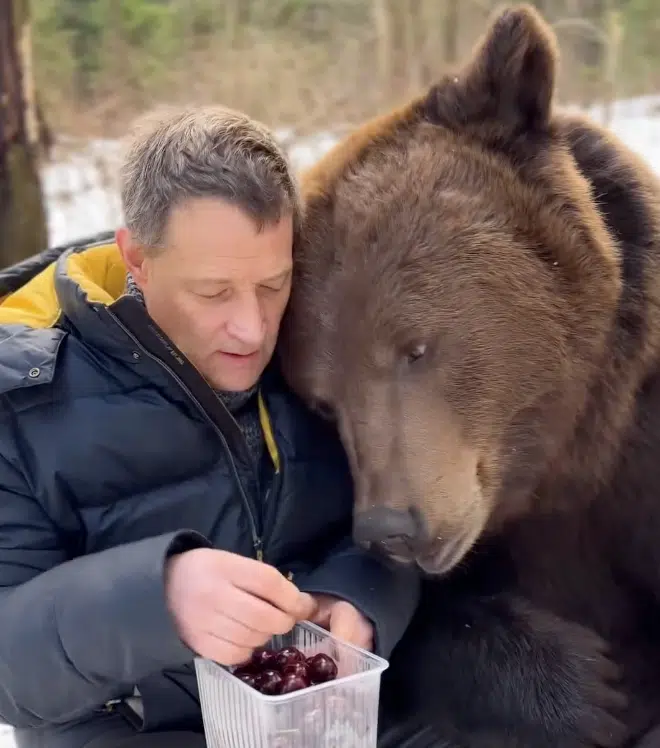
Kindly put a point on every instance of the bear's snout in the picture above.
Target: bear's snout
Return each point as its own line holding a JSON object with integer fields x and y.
{"x": 398, "y": 533}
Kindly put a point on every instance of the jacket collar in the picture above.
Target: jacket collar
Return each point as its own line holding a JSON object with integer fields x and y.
{"x": 84, "y": 291}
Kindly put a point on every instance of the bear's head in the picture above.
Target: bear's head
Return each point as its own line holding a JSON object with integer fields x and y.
{"x": 454, "y": 287}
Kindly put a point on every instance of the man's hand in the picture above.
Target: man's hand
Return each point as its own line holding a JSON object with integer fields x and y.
{"x": 224, "y": 605}
{"x": 344, "y": 621}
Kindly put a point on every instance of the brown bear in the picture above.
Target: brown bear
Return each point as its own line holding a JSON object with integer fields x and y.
{"x": 477, "y": 303}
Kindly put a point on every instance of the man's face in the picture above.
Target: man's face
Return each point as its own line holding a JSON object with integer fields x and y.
{"x": 218, "y": 289}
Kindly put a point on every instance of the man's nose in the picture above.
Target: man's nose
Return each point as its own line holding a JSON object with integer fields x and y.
{"x": 394, "y": 531}
{"x": 247, "y": 323}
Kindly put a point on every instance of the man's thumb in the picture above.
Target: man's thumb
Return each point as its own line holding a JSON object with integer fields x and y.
{"x": 347, "y": 624}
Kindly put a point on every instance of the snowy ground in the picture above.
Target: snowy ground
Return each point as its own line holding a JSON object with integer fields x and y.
{"x": 81, "y": 194}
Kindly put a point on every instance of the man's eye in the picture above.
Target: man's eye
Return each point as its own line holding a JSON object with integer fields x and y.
{"x": 215, "y": 295}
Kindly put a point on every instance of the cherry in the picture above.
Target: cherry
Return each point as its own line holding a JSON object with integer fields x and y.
{"x": 285, "y": 670}
{"x": 292, "y": 682}
{"x": 322, "y": 668}
{"x": 288, "y": 656}
{"x": 249, "y": 679}
{"x": 246, "y": 667}
{"x": 269, "y": 682}
{"x": 263, "y": 658}
{"x": 297, "y": 668}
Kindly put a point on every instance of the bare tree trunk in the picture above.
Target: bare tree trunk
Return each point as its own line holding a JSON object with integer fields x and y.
{"x": 23, "y": 228}
{"x": 451, "y": 32}
{"x": 614, "y": 31}
{"x": 383, "y": 25}
{"x": 232, "y": 24}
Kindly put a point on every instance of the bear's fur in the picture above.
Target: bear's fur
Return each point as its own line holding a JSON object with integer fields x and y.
{"x": 477, "y": 302}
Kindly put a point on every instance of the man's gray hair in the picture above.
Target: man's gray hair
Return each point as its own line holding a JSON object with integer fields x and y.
{"x": 175, "y": 155}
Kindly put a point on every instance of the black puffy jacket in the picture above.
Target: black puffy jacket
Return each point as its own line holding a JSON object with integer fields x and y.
{"x": 114, "y": 453}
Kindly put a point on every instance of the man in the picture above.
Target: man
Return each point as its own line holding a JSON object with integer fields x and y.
{"x": 162, "y": 493}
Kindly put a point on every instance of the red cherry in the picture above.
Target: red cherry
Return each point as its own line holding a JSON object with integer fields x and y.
{"x": 269, "y": 682}
{"x": 263, "y": 658}
{"x": 249, "y": 679}
{"x": 288, "y": 656}
{"x": 293, "y": 682}
{"x": 297, "y": 668}
{"x": 246, "y": 667}
{"x": 322, "y": 668}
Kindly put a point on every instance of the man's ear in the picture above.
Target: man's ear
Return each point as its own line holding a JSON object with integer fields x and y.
{"x": 132, "y": 254}
{"x": 506, "y": 89}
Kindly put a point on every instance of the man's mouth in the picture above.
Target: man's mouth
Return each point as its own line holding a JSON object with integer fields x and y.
{"x": 240, "y": 356}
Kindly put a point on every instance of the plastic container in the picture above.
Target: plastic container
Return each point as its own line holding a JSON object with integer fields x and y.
{"x": 342, "y": 713}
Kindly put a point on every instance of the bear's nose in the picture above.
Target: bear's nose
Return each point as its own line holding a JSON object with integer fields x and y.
{"x": 393, "y": 531}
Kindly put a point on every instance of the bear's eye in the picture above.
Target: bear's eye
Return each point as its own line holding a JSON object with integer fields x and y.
{"x": 325, "y": 410}
{"x": 415, "y": 353}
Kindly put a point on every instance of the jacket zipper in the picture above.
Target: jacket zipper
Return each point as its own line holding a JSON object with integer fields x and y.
{"x": 257, "y": 542}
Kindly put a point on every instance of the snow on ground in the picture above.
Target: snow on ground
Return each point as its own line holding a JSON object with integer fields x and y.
{"x": 81, "y": 193}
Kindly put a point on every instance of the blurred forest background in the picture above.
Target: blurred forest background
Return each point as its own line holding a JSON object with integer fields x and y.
{"x": 75, "y": 73}
{"x": 305, "y": 63}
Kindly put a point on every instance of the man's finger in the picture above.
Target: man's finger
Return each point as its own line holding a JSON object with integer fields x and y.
{"x": 266, "y": 582}
{"x": 253, "y": 612}
{"x": 348, "y": 624}
{"x": 236, "y": 633}
{"x": 321, "y": 614}
{"x": 270, "y": 585}
{"x": 224, "y": 652}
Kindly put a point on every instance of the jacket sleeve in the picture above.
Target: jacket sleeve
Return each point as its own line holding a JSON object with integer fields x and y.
{"x": 78, "y": 632}
{"x": 386, "y": 593}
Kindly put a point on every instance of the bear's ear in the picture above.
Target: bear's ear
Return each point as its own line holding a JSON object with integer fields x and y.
{"x": 507, "y": 88}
